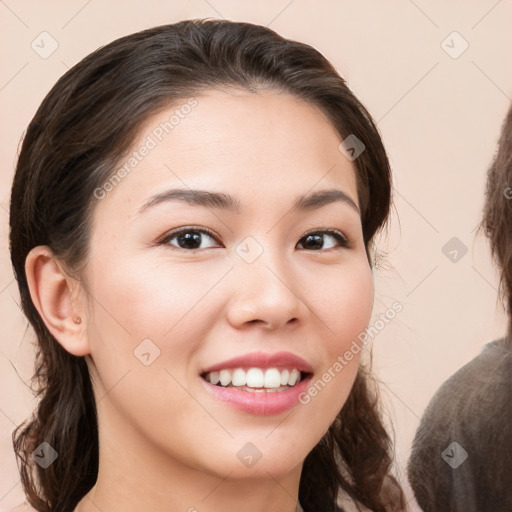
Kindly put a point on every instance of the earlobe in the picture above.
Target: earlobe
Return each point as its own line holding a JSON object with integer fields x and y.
{"x": 51, "y": 294}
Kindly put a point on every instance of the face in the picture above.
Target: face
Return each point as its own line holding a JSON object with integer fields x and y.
{"x": 255, "y": 289}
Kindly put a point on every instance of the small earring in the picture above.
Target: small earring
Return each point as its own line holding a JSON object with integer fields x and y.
{"x": 77, "y": 320}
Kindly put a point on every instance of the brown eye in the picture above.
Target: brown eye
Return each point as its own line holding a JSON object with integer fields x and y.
{"x": 189, "y": 239}
{"x": 315, "y": 240}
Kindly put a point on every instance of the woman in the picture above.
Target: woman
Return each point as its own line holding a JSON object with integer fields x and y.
{"x": 176, "y": 375}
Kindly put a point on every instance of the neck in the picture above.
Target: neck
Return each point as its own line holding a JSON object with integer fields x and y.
{"x": 195, "y": 495}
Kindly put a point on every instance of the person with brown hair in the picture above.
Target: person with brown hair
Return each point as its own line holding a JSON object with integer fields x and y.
{"x": 460, "y": 459}
{"x": 172, "y": 375}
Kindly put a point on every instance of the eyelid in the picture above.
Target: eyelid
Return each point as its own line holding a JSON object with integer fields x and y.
{"x": 330, "y": 231}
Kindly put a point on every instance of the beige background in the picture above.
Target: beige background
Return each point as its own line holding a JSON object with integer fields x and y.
{"x": 439, "y": 116}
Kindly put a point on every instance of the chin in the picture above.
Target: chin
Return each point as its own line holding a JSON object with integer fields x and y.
{"x": 260, "y": 460}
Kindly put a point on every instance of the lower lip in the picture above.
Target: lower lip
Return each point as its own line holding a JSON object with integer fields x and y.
{"x": 257, "y": 402}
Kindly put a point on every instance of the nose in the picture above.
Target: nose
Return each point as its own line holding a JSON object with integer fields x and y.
{"x": 263, "y": 293}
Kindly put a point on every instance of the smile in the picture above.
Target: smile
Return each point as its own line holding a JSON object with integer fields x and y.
{"x": 259, "y": 383}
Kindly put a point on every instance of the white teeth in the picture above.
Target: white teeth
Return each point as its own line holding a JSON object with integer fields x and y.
{"x": 271, "y": 378}
{"x": 239, "y": 378}
{"x": 225, "y": 377}
{"x": 255, "y": 378}
{"x": 293, "y": 378}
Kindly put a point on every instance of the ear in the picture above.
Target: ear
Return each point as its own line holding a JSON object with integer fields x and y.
{"x": 51, "y": 291}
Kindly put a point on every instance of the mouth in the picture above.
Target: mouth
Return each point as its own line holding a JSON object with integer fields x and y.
{"x": 259, "y": 383}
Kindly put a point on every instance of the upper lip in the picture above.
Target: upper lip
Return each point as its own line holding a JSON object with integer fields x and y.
{"x": 263, "y": 360}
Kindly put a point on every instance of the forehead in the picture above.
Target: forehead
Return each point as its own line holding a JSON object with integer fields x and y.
{"x": 268, "y": 144}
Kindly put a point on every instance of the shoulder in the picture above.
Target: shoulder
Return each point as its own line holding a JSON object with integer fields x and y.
{"x": 471, "y": 386}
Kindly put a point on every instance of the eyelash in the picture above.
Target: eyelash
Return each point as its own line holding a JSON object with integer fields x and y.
{"x": 337, "y": 235}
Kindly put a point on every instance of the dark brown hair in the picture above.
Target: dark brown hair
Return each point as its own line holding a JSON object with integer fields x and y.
{"x": 497, "y": 218}
{"x": 83, "y": 128}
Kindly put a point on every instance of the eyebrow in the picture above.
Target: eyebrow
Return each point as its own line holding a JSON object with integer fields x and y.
{"x": 223, "y": 201}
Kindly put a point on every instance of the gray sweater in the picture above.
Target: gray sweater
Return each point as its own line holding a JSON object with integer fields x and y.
{"x": 461, "y": 459}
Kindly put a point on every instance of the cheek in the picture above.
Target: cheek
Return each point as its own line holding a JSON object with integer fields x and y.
{"x": 359, "y": 302}
{"x": 345, "y": 304}
{"x": 157, "y": 300}
{"x": 146, "y": 325}
{"x": 346, "y": 312}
